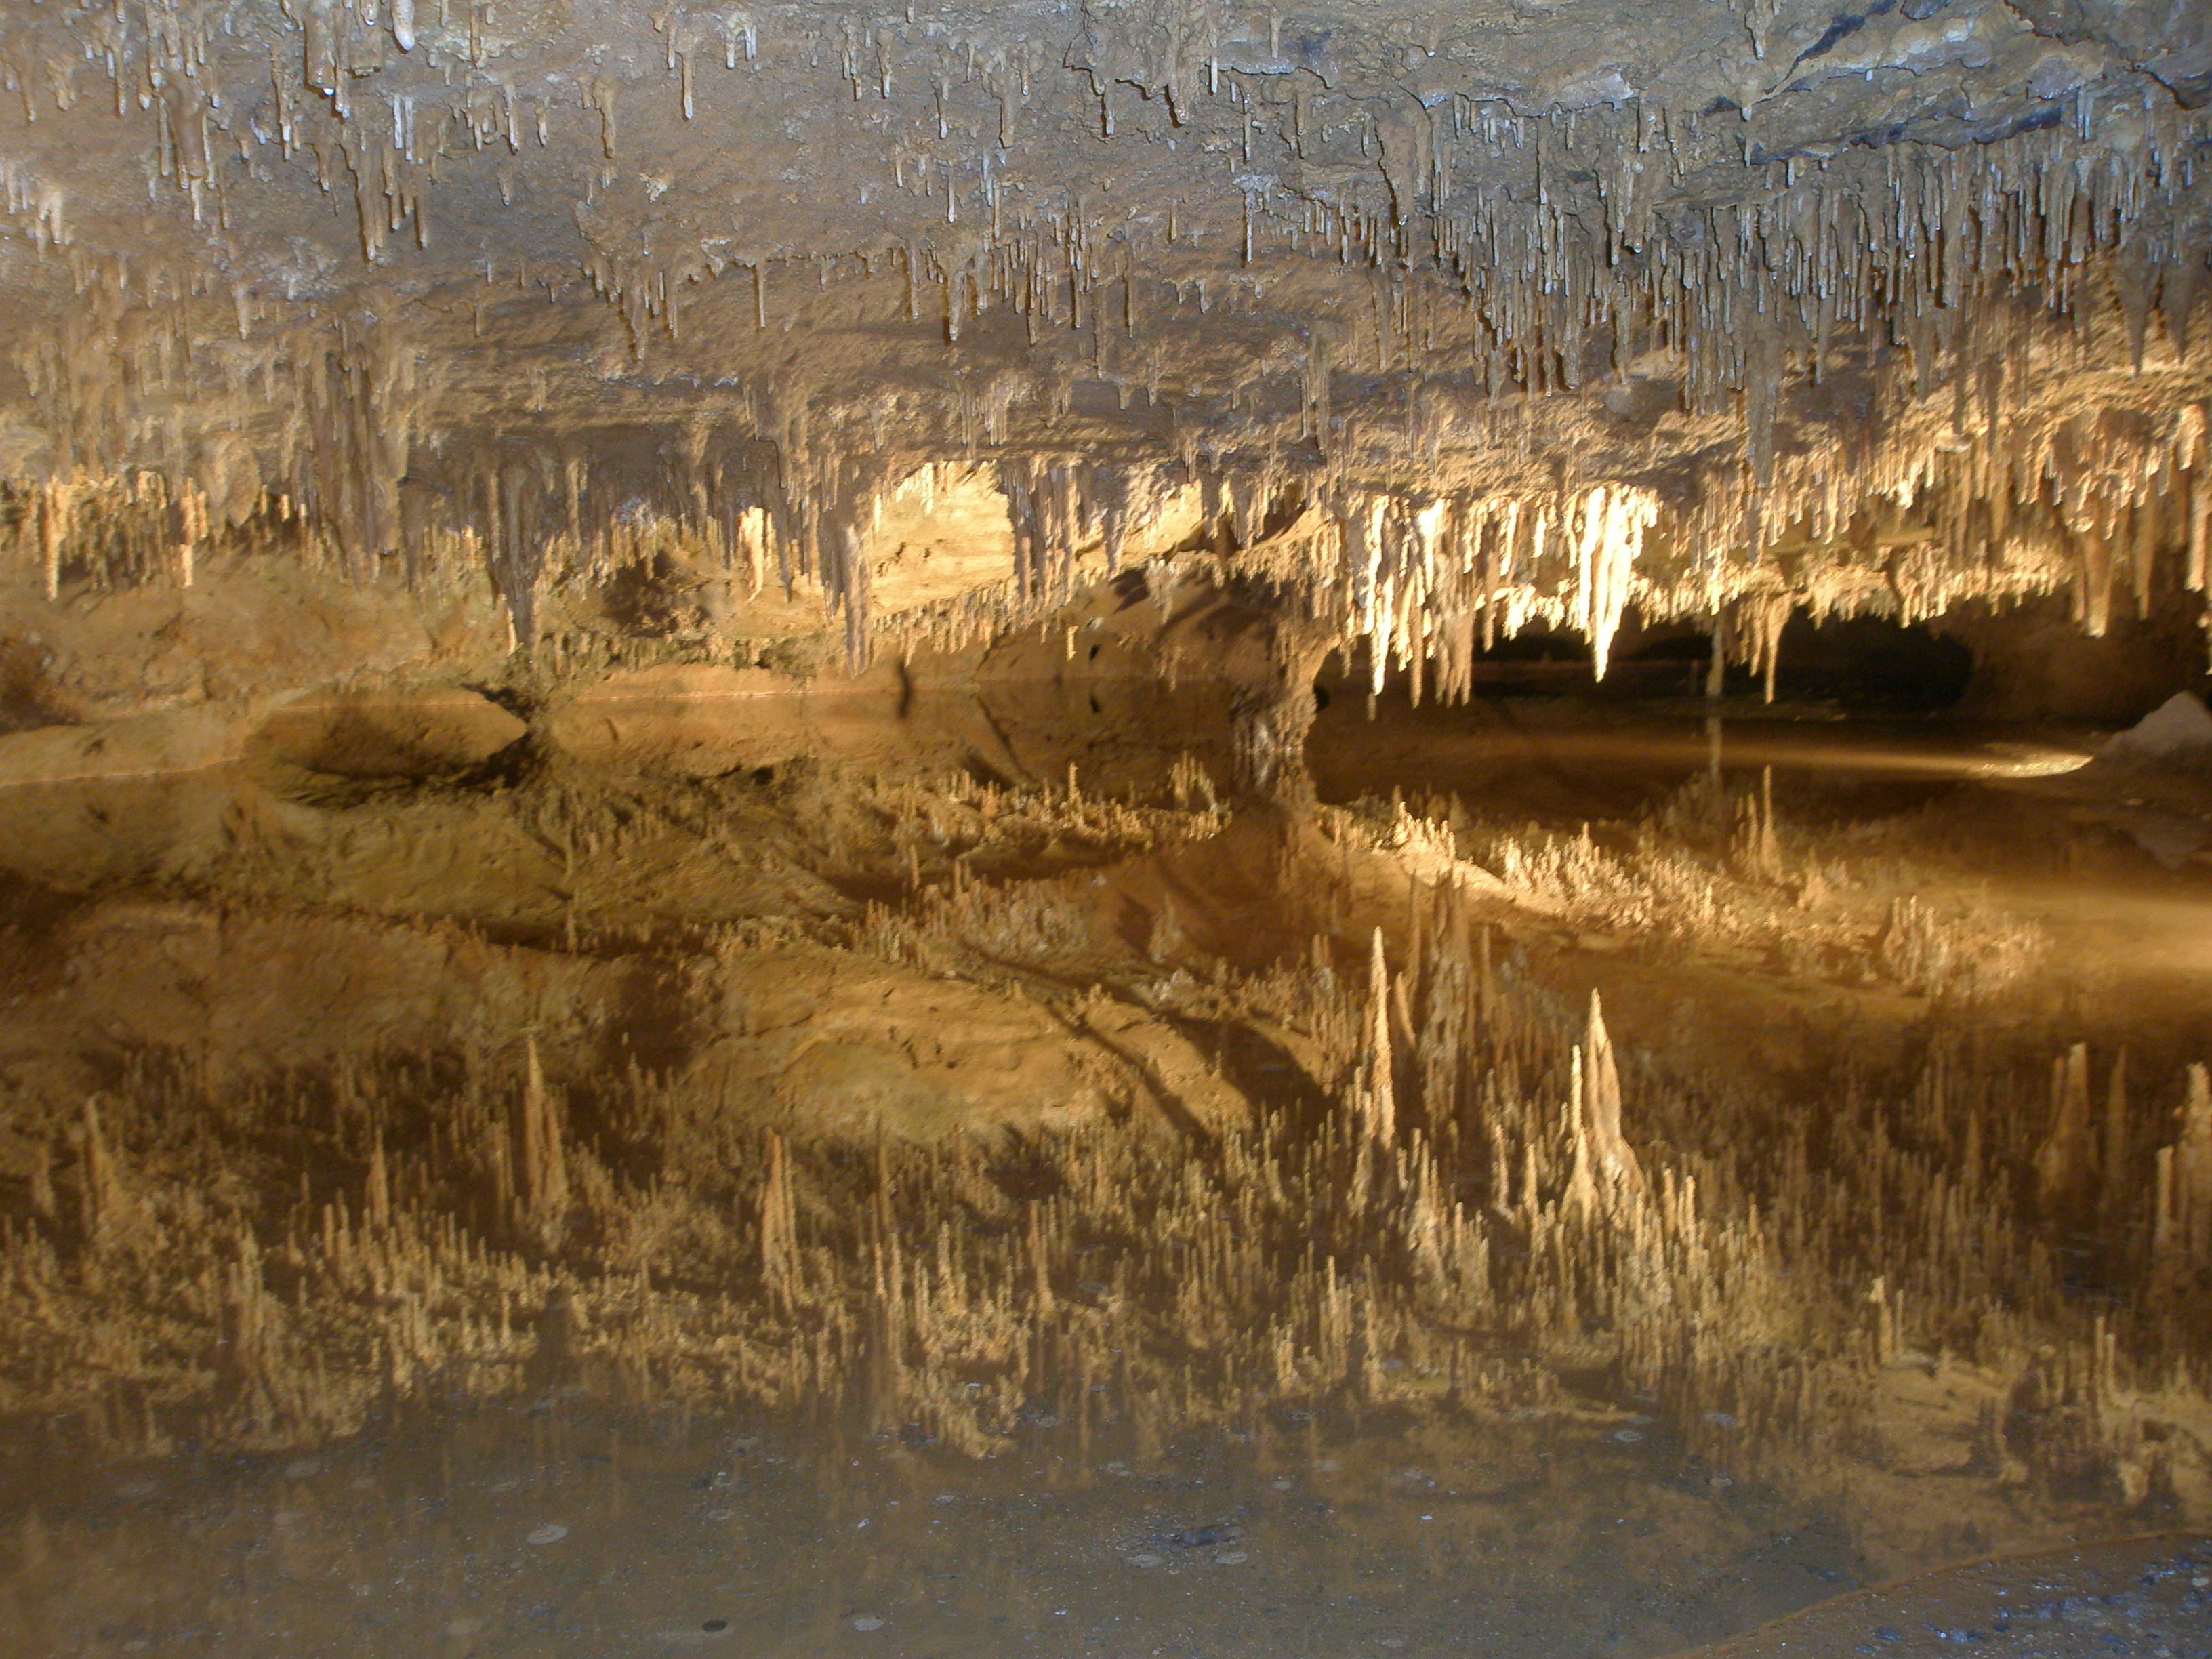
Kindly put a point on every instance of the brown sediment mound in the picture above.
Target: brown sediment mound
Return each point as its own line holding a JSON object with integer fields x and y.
{"x": 150, "y": 745}
{"x": 813, "y": 1040}
{"x": 704, "y": 720}
{"x": 827, "y": 1044}
{"x": 237, "y": 634}
{"x": 406, "y": 732}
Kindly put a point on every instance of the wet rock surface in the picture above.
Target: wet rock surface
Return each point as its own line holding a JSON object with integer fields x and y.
{"x": 2149, "y": 1596}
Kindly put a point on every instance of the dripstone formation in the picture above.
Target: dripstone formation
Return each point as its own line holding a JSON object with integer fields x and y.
{"x": 573, "y": 333}
{"x": 734, "y": 710}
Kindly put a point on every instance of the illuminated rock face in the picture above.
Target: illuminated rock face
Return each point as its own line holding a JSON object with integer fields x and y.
{"x": 409, "y": 335}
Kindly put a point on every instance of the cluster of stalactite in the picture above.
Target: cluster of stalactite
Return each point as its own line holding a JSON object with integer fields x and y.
{"x": 1405, "y": 294}
{"x": 2096, "y": 504}
{"x": 1565, "y": 231}
{"x": 2092, "y": 504}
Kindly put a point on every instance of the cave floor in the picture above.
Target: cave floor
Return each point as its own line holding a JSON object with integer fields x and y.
{"x": 949, "y": 1206}
{"x": 556, "y": 1526}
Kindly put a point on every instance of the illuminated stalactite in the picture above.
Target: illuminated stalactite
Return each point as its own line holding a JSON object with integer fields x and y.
{"x": 1714, "y": 341}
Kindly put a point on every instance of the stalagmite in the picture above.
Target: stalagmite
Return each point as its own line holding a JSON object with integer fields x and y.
{"x": 1378, "y": 1094}
{"x": 779, "y": 1226}
{"x": 2063, "y": 1163}
{"x": 2183, "y": 1203}
{"x": 376, "y": 1200}
{"x": 1610, "y": 1155}
{"x": 101, "y": 1194}
{"x": 543, "y": 1152}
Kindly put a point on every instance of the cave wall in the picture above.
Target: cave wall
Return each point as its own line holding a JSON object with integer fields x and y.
{"x": 2034, "y": 662}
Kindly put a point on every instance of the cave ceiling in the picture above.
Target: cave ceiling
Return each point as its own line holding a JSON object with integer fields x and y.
{"x": 1455, "y": 317}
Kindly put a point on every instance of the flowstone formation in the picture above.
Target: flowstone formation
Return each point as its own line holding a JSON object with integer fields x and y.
{"x": 388, "y": 336}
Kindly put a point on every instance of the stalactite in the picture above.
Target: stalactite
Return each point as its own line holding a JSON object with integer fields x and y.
{"x": 2021, "y": 305}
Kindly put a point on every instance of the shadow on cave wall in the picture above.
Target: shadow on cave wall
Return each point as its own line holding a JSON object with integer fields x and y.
{"x": 1861, "y": 664}
{"x": 2030, "y": 662}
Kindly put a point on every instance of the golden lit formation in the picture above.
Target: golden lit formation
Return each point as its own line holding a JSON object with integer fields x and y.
{"x": 1105, "y": 827}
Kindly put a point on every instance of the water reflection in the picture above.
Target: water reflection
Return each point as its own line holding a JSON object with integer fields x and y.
{"x": 591, "y": 1201}
{"x": 557, "y": 1527}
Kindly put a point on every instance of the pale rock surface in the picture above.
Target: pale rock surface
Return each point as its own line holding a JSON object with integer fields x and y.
{"x": 2179, "y": 731}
